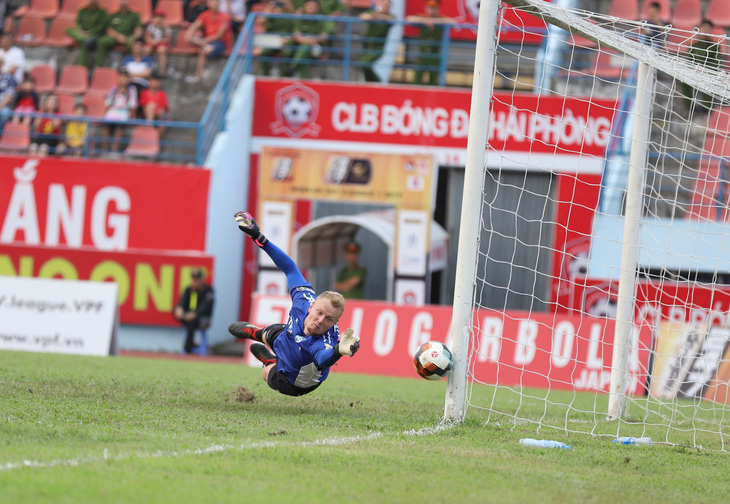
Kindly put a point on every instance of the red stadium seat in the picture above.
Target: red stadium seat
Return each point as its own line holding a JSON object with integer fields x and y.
{"x": 95, "y": 105}
{"x": 718, "y": 11}
{"x": 143, "y": 8}
{"x": 665, "y": 10}
{"x": 182, "y": 46}
{"x": 15, "y": 137}
{"x": 71, "y": 8}
{"x": 624, "y": 9}
{"x": 31, "y": 31}
{"x": 57, "y": 36}
{"x": 44, "y": 77}
{"x": 44, "y": 9}
{"x": 111, "y": 6}
{"x": 74, "y": 80}
{"x": 173, "y": 11}
{"x": 102, "y": 80}
{"x": 687, "y": 14}
{"x": 145, "y": 141}
{"x": 610, "y": 66}
{"x": 66, "y": 103}
{"x": 717, "y": 145}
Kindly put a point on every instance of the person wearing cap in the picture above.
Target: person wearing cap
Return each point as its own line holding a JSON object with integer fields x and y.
{"x": 431, "y": 32}
{"x": 297, "y": 356}
{"x": 351, "y": 279}
{"x": 195, "y": 308}
{"x": 157, "y": 37}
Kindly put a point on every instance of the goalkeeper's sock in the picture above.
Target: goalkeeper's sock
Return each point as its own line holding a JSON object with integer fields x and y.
{"x": 245, "y": 330}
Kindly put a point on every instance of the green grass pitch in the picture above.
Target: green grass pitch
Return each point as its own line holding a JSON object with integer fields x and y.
{"x": 132, "y": 430}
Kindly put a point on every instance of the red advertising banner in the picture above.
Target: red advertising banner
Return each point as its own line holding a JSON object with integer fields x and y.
{"x": 413, "y": 116}
{"x": 104, "y": 205}
{"x": 149, "y": 283}
{"x": 517, "y": 27}
{"x": 514, "y": 348}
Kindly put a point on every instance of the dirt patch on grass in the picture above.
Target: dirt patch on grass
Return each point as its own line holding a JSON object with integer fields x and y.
{"x": 244, "y": 395}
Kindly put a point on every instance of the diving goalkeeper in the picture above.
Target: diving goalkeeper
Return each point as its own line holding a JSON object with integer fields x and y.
{"x": 309, "y": 344}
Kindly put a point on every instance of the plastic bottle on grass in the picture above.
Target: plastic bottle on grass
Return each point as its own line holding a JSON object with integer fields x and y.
{"x": 630, "y": 440}
{"x": 543, "y": 443}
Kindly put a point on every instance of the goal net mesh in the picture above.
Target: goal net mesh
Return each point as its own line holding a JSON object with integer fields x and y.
{"x": 562, "y": 117}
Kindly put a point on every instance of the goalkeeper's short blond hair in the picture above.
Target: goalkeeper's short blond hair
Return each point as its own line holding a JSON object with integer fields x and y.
{"x": 337, "y": 300}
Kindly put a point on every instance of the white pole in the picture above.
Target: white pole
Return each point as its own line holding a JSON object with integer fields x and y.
{"x": 481, "y": 96}
{"x": 632, "y": 229}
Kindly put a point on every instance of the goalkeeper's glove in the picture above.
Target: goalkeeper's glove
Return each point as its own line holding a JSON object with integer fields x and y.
{"x": 349, "y": 343}
{"x": 247, "y": 224}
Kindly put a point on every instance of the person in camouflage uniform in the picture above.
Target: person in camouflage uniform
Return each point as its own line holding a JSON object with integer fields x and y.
{"x": 431, "y": 33}
{"x": 704, "y": 51}
{"x": 90, "y": 26}
{"x": 283, "y": 27}
{"x": 306, "y": 41}
{"x": 124, "y": 27}
{"x": 377, "y": 32}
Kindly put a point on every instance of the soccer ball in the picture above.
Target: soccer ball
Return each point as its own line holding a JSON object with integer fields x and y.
{"x": 433, "y": 360}
{"x": 297, "y": 111}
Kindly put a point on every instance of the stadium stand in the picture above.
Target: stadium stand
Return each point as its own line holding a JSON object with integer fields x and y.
{"x": 15, "y": 137}
{"x": 711, "y": 173}
{"x": 95, "y": 104}
{"x": 102, "y": 80}
{"x": 70, "y": 8}
{"x": 44, "y": 77}
{"x": 66, "y": 103}
{"x": 144, "y": 142}
{"x": 74, "y": 79}
{"x": 173, "y": 12}
{"x": 718, "y": 11}
{"x": 687, "y": 14}
{"x": 625, "y": 9}
{"x": 44, "y": 9}
{"x": 57, "y": 36}
{"x": 31, "y": 31}
{"x": 143, "y": 8}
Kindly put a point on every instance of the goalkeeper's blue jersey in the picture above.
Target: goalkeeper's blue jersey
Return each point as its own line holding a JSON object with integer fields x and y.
{"x": 295, "y": 351}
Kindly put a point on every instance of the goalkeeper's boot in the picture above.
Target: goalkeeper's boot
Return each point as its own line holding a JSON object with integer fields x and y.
{"x": 245, "y": 330}
{"x": 262, "y": 353}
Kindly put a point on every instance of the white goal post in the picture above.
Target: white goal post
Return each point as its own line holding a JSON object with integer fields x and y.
{"x": 592, "y": 288}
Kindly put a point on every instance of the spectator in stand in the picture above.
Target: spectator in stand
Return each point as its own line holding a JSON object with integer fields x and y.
{"x": 46, "y": 137}
{"x": 154, "y": 102}
{"x": 26, "y": 100}
{"x": 653, "y": 33}
{"x": 157, "y": 38}
{"x": 89, "y": 28}
{"x": 138, "y": 66}
{"x": 275, "y": 27}
{"x": 13, "y": 57}
{"x": 76, "y": 132}
{"x": 430, "y": 35}
{"x": 7, "y": 95}
{"x": 211, "y": 32}
{"x": 236, "y": 10}
{"x": 379, "y": 23}
{"x": 704, "y": 51}
{"x": 306, "y": 42}
{"x": 193, "y": 9}
{"x": 331, "y": 8}
{"x": 121, "y": 106}
{"x": 123, "y": 28}
{"x": 195, "y": 308}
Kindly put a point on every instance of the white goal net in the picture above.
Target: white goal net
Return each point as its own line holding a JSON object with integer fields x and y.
{"x": 593, "y": 278}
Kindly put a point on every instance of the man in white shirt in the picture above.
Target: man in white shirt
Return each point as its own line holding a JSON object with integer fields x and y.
{"x": 13, "y": 57}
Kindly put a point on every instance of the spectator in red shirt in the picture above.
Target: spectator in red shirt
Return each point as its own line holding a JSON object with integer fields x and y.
{"x": 47, "y": 130}
{"x": 154, "y": 102}
{"x": 211, "y": 32}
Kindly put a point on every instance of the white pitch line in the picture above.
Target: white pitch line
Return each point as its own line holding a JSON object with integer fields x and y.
{"x": 36, "y": 464}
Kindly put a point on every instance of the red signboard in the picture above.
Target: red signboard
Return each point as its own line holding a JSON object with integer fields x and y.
{"x": 404, "y": 115}
{"x": 149, "y": 283}
{"x": 513, "y": 348}
{"x": 517, "y": 27}
{"x": 104, "y": 205}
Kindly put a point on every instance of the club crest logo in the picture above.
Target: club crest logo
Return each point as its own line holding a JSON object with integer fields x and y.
{"x": 296, "y": 109}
